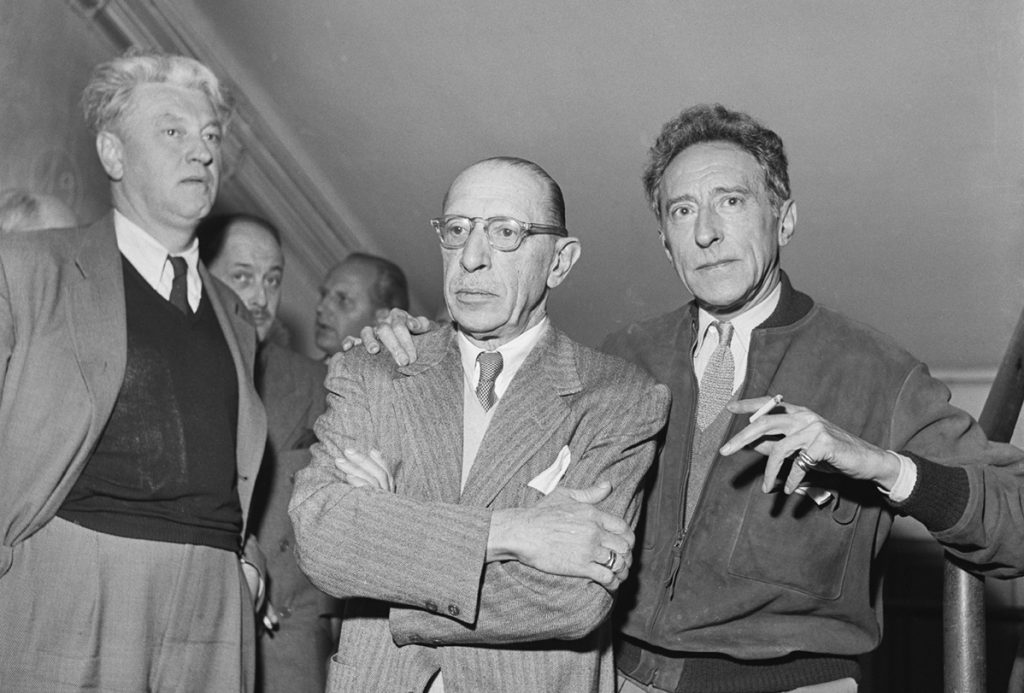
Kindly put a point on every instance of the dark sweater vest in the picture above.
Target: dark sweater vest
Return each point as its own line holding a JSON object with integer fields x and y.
{"x": 164, "y": 467}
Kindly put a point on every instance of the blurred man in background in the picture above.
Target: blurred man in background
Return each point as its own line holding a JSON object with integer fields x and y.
{"x": 354, "y": 294}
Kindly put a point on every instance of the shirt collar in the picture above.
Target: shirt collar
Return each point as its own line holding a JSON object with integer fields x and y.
{"x": 743, "y": 324}
{"x": 149, "y": 257}
{"x": 513, "y": 354}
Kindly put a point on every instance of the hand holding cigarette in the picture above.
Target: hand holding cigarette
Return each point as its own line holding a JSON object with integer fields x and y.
{"x": 766, "y": 407}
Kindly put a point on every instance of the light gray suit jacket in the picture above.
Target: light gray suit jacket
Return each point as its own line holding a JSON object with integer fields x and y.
{"x": 414, "y": 561}
{"x": 63, "y": 348}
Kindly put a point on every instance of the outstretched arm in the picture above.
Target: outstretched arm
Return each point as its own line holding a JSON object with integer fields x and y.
{"x": 967, "y": 491}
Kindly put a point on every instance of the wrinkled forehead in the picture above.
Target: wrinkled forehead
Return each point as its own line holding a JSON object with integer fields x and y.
{"x": 710, "y": 166}
{"x": 493, "y": 190}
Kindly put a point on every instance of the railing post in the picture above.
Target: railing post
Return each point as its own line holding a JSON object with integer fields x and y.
{"x": 963, "y": 630}
{"x": 963, "y": 594}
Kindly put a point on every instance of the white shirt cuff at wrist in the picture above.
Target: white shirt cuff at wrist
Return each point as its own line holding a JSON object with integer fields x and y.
{"x": 905, "y": 481}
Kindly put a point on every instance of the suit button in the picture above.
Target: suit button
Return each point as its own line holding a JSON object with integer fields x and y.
{"x": 284, "y": 612}
{"x": 285, "y": 545}
{"x": 431, "y": 607}
{"x": 453, "y": 610}
{"x": 291, "y": 478}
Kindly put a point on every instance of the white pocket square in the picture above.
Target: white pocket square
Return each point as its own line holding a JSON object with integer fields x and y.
{"x": 546, "y": 481}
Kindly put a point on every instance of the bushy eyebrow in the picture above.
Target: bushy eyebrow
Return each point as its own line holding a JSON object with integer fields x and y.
{"x": 721, "y": 190}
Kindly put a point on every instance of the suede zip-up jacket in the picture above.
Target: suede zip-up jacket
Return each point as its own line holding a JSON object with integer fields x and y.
{"x": 757, "y": 576}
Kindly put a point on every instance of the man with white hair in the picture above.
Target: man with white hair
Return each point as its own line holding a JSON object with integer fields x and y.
{"x": 132, "y": 434}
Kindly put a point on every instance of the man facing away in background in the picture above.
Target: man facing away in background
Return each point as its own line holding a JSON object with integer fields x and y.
{"x": 439, "y": 499}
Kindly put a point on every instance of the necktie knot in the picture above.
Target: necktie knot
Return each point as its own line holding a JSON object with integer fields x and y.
{"x": 490, "y": 363}
{"x": 724, "y": 332}
{"x": 179, "y": 265}
{"x": 179, "y": 285}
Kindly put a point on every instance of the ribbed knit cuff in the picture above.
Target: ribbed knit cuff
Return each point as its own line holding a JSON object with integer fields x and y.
{"x": 940, "y": 496}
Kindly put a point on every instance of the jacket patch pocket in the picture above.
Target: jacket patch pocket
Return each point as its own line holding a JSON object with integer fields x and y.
{"x": 791, "y": 542}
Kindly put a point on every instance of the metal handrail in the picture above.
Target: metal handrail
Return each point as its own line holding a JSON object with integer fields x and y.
{"x": 963, "y": 594}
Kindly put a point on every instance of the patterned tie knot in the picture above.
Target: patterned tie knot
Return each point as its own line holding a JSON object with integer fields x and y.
{"x": 724, "y": 332}
{"x": 490, "y": 366}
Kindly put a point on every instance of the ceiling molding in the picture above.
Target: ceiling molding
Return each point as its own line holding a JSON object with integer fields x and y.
{"x": 262, "y": 176}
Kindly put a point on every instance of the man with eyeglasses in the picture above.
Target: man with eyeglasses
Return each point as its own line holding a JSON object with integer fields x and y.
{"x": 470, "y": 506}
{"x": 795, "y": 436}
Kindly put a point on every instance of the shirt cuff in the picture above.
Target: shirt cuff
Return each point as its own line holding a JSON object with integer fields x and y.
{"x": 261, "y": 588}
{"x": 905, "y": 481}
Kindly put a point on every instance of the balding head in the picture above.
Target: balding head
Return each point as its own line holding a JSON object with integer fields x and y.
{"x": 495, "y": 294}
{"x": 353, "y": 294}
{"x": 245, "y": 253}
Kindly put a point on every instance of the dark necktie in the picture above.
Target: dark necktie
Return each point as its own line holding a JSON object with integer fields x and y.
{"x": 716, "y": 383}
{"x": 490, "y": 365}
{"x": 179, "y": 287}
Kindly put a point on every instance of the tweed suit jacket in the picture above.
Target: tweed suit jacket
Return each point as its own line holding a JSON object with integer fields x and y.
{"x": 63, "y": 349}
{"x": 423, "y": 597}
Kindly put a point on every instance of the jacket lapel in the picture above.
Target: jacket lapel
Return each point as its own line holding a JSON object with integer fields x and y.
{"x": 531, "y": 410}
{"x": 96, "y": 314}
{"x": 240, "y": 336}
{"x": 433, "y": 433}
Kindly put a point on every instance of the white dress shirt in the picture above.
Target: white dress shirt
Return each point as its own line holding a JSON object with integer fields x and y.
{"x": 513, "y": 354}
{"x": 151, "y": 260}
{"x": 474, "y": 419}
{"x": 742, "y": 327}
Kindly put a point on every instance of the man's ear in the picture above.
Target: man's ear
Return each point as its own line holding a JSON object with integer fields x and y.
{"x": 567, "y": 252}
{"x": 787, "y": 221}
{"x": 111, "y": 152}
{"x": 664, "y": 246}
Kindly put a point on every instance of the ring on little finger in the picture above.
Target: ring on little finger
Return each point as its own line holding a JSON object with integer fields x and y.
{"x": 611, "y": 560}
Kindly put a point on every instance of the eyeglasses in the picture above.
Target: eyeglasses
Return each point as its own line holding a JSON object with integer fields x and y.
{"x": 503, "y": 233}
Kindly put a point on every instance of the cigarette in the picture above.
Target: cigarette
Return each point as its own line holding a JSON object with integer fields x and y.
{"x": 767, "y": 407}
